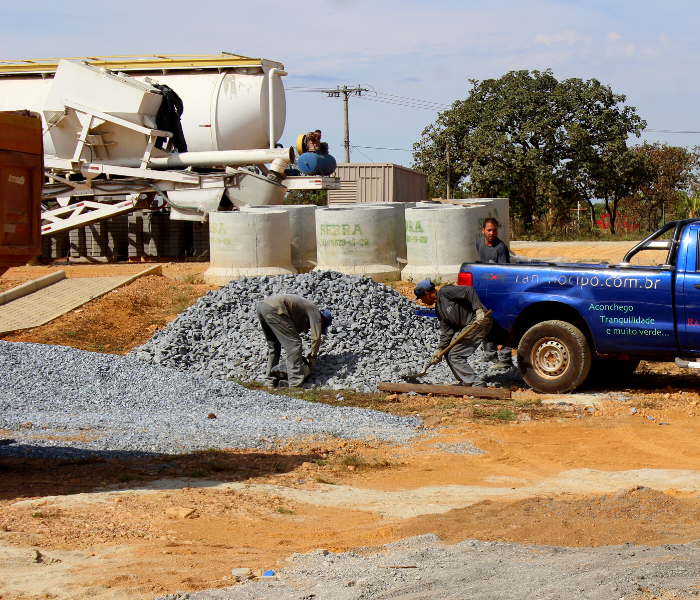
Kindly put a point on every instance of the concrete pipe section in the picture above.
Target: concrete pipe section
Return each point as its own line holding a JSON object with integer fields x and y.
{"x": 357, "y": 241}
{"x": 399, "y": 209}
{"x": 302, "y": 223}
{"x": 499, "y": 208}
{"x": 439, "y": 240}
{"x": 248, "y": 244}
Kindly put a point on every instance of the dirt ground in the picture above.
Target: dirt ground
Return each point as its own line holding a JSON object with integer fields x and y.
{"x": 616, "y": 462}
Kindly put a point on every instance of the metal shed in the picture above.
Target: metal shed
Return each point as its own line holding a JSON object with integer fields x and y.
{"x": 378, "y": 182}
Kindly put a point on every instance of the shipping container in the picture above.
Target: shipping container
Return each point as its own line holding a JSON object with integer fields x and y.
{"x": 378, "y": 182}
{"x": 21, "y": 182}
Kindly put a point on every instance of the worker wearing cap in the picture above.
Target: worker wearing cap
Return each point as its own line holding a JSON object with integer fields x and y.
{"x": 283, "y": 317}
{"x": 457, "y": 307}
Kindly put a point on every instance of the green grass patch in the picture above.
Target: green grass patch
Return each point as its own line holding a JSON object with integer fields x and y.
{"x": 45, "y": 515}
{"x": 495, "y": 413}
{"x": 353, "y": 460}
{"x": 534, "y": 403}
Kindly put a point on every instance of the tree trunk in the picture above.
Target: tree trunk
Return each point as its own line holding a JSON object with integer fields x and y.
{"x": 613, "y": 214}
{"x": 610, "y": 213}
{"x": 592, "y": 213}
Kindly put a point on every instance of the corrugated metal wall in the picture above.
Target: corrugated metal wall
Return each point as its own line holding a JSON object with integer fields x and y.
{"x": 377, "y": 182}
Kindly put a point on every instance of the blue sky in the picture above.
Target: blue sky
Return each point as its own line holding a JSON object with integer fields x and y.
{"x": 646, "y": 49}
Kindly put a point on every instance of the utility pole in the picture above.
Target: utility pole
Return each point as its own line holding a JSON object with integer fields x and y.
{"x": 447, "y": 156}
{"x": 345, "y": 92}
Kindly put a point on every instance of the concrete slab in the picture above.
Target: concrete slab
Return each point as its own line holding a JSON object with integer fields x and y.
{"x": 49, "y": 303}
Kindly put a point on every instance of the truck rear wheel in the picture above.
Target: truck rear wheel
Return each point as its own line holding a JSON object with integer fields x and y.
{"x": 554, "y": 357}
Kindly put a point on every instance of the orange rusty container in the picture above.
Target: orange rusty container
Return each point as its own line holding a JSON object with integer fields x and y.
{"x": 21, "y": 182}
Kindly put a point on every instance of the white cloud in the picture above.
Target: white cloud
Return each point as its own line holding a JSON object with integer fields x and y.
{"x": 613, "y": 36}
{"x": 569, "y": 36}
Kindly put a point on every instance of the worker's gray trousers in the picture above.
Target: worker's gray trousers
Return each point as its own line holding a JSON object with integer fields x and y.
{"x": 457, "y": 358}
{"x": 280, "y": 333}
{"x": 491, "y": 352}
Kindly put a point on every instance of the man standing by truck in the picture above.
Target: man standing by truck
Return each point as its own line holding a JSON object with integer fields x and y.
{"x": 283, "y": 317}
{"x": 493, "y": 250}
{"x": 457, "y": 307}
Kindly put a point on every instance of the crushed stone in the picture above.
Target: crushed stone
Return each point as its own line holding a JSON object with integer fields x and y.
{"x": 375, "y": 336}
{"x": 62, "y": 402}
{"x": 422, "y": 567}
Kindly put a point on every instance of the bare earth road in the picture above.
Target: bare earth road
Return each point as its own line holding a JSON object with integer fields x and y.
{"x": 612, "y": 465}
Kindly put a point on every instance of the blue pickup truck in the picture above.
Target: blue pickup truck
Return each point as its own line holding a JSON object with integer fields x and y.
{"x": 569, "y": 320}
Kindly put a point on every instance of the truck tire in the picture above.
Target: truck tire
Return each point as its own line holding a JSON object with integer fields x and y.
{"x": 554, "y": 357}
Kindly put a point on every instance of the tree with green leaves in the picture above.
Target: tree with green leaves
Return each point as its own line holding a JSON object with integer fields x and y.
{"x": 689, "y": 205}
{"x": 620, "y": 172}
{"x": 670, "y": 170}
{"x": 528, "y": 137}
{"x": 317, "y": 197}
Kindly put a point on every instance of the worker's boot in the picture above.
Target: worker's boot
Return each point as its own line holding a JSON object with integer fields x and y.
{"x": 501, "y": 366}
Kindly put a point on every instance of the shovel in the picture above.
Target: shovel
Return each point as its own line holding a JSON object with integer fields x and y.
{"x": 461, "y": 336}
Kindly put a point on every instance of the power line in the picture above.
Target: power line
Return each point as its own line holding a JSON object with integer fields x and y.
{"x": 668, "y": 131}
{"x": 409, "y": 105}
{"x": 385, "y": 98}
{"x": 377, "y": 148}
{"x": 345, "y": 92}
{"x": 414, "y": 99}
{"x": 363, "y": 154}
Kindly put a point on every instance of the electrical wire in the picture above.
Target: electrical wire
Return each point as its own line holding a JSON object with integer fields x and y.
{"x": 668, "y": 131}
{"x": 386, "y": 99}
{"x": 414, "y": 100}
{"x": 407, "y": 104}
{"x": 363, "y": 154}
{"x": 377, "y": 148}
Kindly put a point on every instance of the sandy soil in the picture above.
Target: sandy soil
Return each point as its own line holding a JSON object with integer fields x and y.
{"x": 561, "y": 470}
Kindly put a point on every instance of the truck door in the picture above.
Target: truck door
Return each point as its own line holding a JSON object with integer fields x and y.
{"x": 688, "y": 293}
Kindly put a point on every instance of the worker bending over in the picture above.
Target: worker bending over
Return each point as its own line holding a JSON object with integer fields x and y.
{"x": 457, "y": 307}
{"x": 283, "y": 317}
{"x": 491, "y": 249}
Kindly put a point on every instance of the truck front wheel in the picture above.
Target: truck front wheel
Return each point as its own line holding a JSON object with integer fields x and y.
{"x": 554, "y": 357}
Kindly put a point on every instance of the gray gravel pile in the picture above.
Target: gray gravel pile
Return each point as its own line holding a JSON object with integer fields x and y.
{"x": 421, "y": 568}
{"x": 56, "y": 400}
{"x": 375, "y": 334}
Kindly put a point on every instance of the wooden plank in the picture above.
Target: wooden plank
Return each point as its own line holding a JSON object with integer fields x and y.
{"x": 445, "y": 390}
{"x": 20, "y": 134}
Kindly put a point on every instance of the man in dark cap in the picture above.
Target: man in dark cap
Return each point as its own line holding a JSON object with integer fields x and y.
{"x": 283, "y": 317}
{"x": 457, "y": 307}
